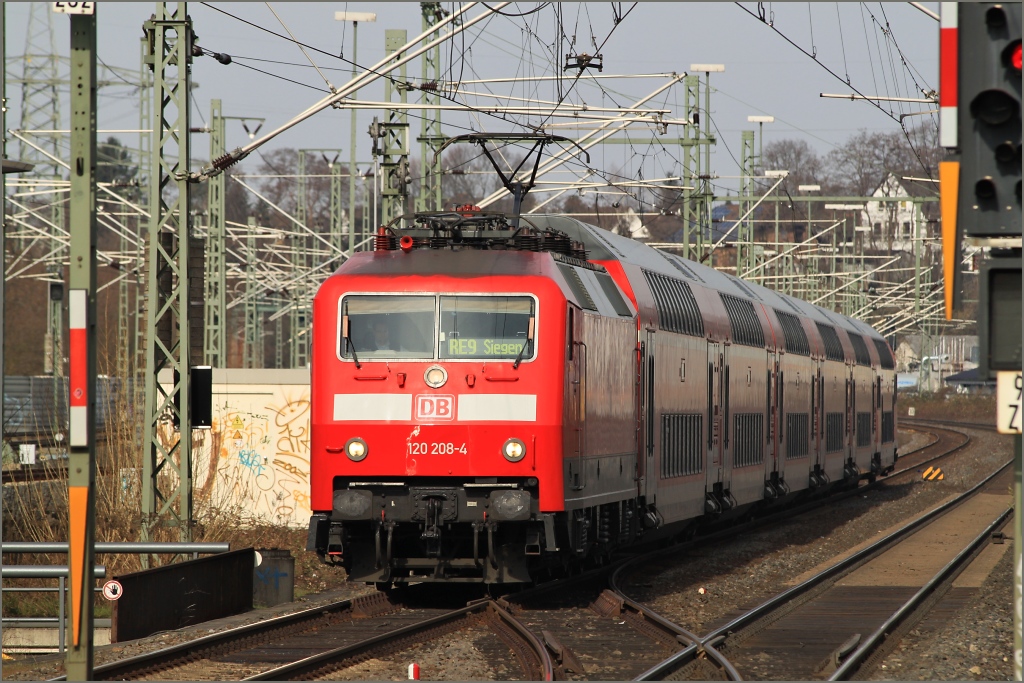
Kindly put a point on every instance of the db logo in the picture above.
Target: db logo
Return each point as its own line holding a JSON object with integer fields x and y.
{"x": 435, "y": 407}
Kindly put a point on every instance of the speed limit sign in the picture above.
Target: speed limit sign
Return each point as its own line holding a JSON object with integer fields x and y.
{"x": 112, "y": 590}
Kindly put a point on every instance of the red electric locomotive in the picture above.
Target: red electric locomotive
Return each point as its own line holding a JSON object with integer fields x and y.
{"x": 492, "y": 399}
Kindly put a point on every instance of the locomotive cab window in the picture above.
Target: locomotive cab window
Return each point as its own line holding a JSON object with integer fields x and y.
{"x": 487, "y": 327}
{"x": 382, "y": 326}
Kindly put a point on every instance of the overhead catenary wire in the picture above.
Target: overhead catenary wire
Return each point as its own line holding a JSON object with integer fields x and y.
{"x": 295, "y": 40}
{"x": 372, "y": 69}
{"x": 888, "y": 113}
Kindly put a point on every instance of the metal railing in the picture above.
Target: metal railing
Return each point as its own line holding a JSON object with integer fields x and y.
{"x": 43, "y": 572}
{"x": 60, "y": 573}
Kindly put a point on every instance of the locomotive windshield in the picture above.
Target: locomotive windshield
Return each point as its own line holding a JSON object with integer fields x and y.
{"x": 389, "y": 327}
{"x": 403, "y": 327}
{"x": 485, "y": 327}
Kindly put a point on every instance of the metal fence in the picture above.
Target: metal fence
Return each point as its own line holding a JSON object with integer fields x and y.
{"x": 30, "y": 408}
{"x": 8, "y": 572}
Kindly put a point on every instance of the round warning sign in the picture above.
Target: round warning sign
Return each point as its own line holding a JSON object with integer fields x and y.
{"x": 112, "y": 590}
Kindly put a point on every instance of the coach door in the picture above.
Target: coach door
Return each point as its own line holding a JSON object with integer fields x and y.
{"x": 817, "y": 418}
{"x": 776, "y": 409}
{"x": 577, "y": 409}
{"x": 715, "y": 418}
{"x": 650, "y": 416}
{"x": 876, "y": 410}
{"x": 851, "y": 413}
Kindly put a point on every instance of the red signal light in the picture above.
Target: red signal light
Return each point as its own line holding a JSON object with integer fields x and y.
{"x": 1011, "y": 55}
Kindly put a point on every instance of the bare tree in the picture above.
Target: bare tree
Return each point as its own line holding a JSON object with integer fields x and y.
{"x": 468, "y": 176}
{"x": 860, "y": 165}
{"x": 796, "y": 156}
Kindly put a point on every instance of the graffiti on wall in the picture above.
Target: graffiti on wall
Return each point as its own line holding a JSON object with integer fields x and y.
{"x": 254, "y": 462}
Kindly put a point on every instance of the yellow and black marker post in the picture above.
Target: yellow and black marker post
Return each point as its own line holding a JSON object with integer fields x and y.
{"x": 933, "y": 474}
{"x": 82, "y": 348}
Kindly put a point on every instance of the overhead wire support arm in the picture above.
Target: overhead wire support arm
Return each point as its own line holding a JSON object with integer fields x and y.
{"x": 378, "y": 70}
{"x": 742, "y": 218}
{"x": 880, "y": 98}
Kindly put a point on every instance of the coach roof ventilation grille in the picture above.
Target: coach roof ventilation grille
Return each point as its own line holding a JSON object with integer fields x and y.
{"x": 746, "y": 328}
{"x": 860, "y": 349}
{"x": 833, "y": 347}
{"x": 677, "y": 307}
{"x": 796, "y": 338}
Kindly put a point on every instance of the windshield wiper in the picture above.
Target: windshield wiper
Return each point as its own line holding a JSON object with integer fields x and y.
{"x": 352, "y": 345}
{"x": 529, "y": 338}
{"x": 347, "y": 335}
{"x": 519, "y": 358}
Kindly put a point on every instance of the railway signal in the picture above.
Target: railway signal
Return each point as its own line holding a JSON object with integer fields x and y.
{"x": 980, "y": 110}
{"x": 989, "y": 91}
{"x": 980, "y": 184}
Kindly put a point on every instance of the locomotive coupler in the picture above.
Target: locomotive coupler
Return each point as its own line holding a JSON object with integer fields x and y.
{"x": 491, "y": 526}
{"x": 477, "y": 526}
{"x": 432, "y": 526}
{"x": 390, "y": 526}
{"x": 476, "y": 543}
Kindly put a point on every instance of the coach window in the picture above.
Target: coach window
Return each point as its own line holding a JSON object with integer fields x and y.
{"x": 487, "y": 327}
{"x": 382, "y": 326}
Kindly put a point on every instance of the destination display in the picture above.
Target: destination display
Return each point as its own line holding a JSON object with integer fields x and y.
{"x": 483, "y": 347}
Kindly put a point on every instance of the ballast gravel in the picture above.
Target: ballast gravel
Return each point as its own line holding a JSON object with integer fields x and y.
{"x": 48, "y": 666}
{"x": 710, "y": 585}
{"x": 703, "y": 588}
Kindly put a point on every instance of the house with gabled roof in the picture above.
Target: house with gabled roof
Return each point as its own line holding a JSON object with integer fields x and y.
{"x": 895, "y": 223}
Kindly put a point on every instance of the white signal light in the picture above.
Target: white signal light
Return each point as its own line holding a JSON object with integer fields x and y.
{"x": 356, "y": 449}
{"x": 514, "y": 450}
{"x": 435, "y": 376}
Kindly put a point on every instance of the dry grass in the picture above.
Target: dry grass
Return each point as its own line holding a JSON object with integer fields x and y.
{"x": 949, "y": 405}
{"x": 38, "y": 511}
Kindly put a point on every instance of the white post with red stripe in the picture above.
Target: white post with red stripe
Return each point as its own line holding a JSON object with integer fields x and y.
{"x": 78, "y": 354}
{"x": 82, "y": 350}
{"x": 948, "y": 73}
{"x": 414, "y": 672}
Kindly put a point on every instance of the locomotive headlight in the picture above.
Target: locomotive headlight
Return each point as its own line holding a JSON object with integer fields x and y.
{"x": 435, "y": 376}
{"x": 356, "y": 449}
{"x": 514, "y": 450}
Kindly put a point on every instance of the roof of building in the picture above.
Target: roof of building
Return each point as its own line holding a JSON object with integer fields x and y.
{"x": 967, "y": 377}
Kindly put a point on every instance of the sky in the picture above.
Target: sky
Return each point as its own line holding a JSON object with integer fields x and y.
{"x": 888, "y": 49}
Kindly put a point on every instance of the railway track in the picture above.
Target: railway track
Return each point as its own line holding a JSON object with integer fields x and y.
{"x": 612, "y": 637}
{"x": 597, "y": 633}
{"x": 320, "y": 641}
{"x": 947, "y": 442}
{"x": 493, "y": 630}
{"x": 843, "y": 620}
{"x": 41, "y": 472}
{"x": 573, "y": 629}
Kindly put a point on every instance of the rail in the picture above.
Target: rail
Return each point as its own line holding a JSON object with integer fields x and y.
{"x": 705, "y": 647}
{"x": 310, "y": 664}
{"x": 876, "y": 639}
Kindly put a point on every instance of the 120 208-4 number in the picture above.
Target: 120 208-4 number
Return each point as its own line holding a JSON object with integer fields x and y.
{"x": 436, "y": 448}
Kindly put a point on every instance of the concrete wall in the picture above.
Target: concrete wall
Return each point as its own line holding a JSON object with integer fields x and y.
{"x": 255, "y": 460}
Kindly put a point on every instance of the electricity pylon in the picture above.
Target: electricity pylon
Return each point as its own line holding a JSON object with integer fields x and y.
{"x": 167, "y": 458}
